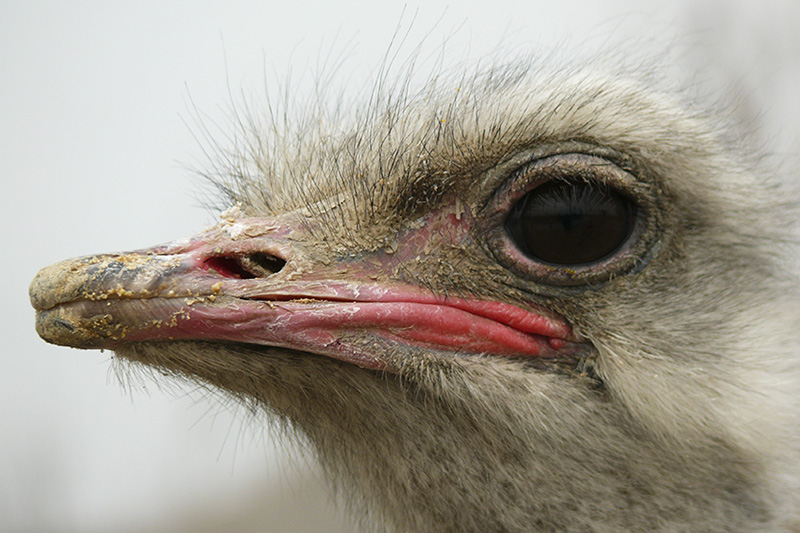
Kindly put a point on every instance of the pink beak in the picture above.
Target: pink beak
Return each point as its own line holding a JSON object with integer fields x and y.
{"x": 251, "y": 280}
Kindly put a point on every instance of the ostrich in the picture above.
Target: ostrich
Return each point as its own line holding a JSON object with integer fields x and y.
{"x": 538, "y": 300}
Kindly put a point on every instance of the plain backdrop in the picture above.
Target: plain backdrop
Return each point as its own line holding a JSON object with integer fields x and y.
{"x": 98, "y": 109}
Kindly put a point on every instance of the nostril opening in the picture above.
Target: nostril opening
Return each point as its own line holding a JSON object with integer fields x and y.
{"x": 251, "y": 266}
{"x": 228, "y": 267}
{"x": 268, "y": 264}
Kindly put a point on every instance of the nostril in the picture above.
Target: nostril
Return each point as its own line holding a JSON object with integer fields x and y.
{"x": 250, "y": 266}
{"x": 262, "y": 265}
{"x": 228, "y": 267}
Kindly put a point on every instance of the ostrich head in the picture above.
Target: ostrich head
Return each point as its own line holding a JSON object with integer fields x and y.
{"x": 537, "y": 300}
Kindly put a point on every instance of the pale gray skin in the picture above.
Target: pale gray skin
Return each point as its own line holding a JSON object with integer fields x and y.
{"x": 682, "y": 412}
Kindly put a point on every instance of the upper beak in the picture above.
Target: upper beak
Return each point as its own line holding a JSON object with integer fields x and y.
{"x": 251, "y": 280}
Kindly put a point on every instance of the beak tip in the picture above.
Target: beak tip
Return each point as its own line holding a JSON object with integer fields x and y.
{"x": 56, "y": 329}
{"x": 58, "y": 283}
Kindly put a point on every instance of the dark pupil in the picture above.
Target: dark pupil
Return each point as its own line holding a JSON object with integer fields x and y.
{"x": 570, "y": 223}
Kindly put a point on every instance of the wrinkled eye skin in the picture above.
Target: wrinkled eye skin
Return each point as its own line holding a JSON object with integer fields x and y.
{"x": 572, "y": 220}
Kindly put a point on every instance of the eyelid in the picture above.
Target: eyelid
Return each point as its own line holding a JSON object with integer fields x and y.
{"x": 570, "y": 166}
{"x": 519, "y": 168}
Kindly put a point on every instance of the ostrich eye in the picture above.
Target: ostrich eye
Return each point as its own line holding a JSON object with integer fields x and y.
{"x": 570, "y": 223}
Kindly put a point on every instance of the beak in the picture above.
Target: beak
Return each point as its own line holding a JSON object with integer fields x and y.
{"x": 252, "y": 280}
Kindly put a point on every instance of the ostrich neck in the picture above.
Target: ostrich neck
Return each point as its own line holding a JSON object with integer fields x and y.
{"x": 475, "y": 448}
